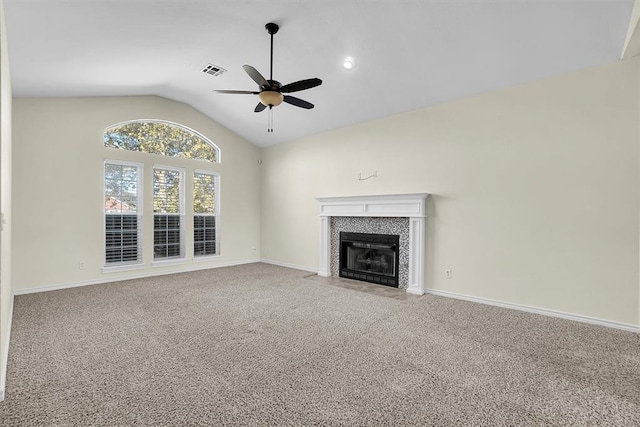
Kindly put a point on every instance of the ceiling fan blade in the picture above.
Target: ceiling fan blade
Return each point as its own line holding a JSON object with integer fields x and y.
{"x": 259, "y": 107}
{"x": 301, "y": 85}
{"x": 256, "y": 76}
{"x": 297, "y": 102}
{"x": 241, "y": 92}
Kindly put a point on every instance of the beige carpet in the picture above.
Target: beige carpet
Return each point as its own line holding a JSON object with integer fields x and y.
{"x": 263, "y": 345}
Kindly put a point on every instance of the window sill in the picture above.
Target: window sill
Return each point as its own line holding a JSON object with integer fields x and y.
{"x": 118, "y": 268}
{"x": 168, "y": 262}
{"x": 206, "y": 258}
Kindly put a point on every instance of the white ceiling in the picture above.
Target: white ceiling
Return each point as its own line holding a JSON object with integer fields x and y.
{"x": 409, "y": 53}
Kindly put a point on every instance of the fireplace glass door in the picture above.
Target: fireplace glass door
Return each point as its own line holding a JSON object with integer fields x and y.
{"x": 369, "y": 257}
{"x": 366, "y": 257}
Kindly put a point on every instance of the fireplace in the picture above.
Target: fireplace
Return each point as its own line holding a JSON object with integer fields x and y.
{"x": 370, "y": 257}
{"x": 369, "y": 209}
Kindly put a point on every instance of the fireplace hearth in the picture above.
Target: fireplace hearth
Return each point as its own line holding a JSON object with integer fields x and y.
{"x": 371, "y": 258}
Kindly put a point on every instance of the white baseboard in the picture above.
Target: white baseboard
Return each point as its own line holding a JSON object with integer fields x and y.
{"x": 295, "y": 267}
{"x": 535, "y": 310}
{"x": 112, "y": 279}
{"x": 5, "y": 354}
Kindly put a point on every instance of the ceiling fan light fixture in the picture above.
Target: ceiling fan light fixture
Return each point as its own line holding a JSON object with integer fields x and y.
{"x": 271, "y": 98}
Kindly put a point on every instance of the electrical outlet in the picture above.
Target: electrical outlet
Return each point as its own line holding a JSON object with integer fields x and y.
{"x": 447, "y": 274}
{"x": 81, "y": 265}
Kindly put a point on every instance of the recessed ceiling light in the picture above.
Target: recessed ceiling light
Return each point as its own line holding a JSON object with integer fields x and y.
{"x": 348, "y": 63}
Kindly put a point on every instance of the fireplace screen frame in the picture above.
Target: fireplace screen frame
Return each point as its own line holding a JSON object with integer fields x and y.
{"x": 375, "y": 242}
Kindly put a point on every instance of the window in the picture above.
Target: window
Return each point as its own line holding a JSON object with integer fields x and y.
{"x": 205, "y": 186}
{"x": 186, "y": 154}
{"x": 123, "y": 212}
{"x": 168, "y": 213}
{"x": 160, "y": 137}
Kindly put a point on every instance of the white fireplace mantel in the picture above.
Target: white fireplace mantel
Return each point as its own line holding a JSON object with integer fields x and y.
{"x": 412, "y": 206}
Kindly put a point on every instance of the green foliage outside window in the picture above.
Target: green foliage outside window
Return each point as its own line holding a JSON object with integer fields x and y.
{"x": 156, "y": 137}
{"x": 166, "y": 191}
{"x": 204, "y": 194}
{"x": 120, "y": 188}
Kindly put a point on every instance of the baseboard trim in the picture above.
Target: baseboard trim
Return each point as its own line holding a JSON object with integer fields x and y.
{"x": 295, "y": 267}
{"x": 5, "y": 354}
{"x": 535, "y": 310}
{"x": 112, "y": 279}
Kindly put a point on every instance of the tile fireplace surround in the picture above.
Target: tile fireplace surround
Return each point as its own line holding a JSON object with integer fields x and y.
{"x": 412, "y": 206}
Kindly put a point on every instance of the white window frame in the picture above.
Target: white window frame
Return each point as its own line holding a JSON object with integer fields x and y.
{"x": 125, "y": 265}
{"x": 181, "y": 202}
{"x": 216, "y": 215}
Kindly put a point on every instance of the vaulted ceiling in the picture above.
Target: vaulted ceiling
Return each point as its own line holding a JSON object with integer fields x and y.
{"x": 408, "y": 53}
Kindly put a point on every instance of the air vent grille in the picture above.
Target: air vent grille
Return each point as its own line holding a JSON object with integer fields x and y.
{"x": 214, "y": 70}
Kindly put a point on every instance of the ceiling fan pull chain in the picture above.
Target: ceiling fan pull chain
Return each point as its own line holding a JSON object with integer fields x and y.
{"x": 270, "y": 120}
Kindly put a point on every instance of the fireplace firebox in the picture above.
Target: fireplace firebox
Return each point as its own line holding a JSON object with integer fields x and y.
{"x": 371, "y": 258}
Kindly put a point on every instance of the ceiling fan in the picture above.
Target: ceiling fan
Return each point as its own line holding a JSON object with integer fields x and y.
{"x": 272, "y": 92}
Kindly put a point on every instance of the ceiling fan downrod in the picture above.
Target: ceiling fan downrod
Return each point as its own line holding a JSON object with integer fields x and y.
{"x": 272, "y": 29}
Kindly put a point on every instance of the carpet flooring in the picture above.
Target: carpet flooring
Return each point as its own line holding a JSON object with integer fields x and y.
{"x": 259, "y": 345}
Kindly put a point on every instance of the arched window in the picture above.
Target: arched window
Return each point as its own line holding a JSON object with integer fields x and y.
{"x": 161, "y": 137}
{"x": 125, "y": 184}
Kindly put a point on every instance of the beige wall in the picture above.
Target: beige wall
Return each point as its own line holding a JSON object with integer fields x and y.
{"x": 535, "y": 190}
{"x": 5, "y": 201}
{"x": 58, "y": 184}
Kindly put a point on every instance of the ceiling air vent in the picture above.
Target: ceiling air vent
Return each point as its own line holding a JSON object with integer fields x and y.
{"x": 214, "y": 70}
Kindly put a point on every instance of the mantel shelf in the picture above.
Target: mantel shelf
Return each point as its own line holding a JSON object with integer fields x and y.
{"x": 388, "y": 205}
